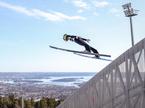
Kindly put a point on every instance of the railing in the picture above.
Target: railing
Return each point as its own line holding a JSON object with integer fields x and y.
{"x": 120, "y": 85}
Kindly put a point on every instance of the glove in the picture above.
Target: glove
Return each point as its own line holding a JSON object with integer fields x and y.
{"x": 88, "y": 40}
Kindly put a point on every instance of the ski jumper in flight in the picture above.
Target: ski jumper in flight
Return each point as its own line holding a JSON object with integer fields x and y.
{"x": 81, "y": 41}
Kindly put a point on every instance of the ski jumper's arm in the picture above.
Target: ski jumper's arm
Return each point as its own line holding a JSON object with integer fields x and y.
{"x": 72, "y": 36}
{"x": 84, "y": 39}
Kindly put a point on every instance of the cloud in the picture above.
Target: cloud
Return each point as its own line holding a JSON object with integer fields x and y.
{"x": 79, "y": 4}
{"x": 115, "y": 11}
{"x": 63, "y": 16}
{"x": 55, "y": 16}
{"x": 96, "y": 14}
{"x": 88, "y": 5}
{"x": 100, "y": 4}
{"x": 16, "y": 8}
{"x": 37, "y": 13}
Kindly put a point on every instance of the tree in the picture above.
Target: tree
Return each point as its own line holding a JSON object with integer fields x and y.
{"x": 32, "y": 102}
{"x": 37, "y": 105}
{"x": 51, "y": 102}
{"x": 27, "y": 104}
{"x": 43, "y": 103}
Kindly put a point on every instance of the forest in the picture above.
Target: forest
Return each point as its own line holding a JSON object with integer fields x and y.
{"x": 12, "y": 102}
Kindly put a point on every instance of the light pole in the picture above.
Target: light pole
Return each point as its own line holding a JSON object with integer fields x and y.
{"x": 22, "y": 105}
{"x": 130, "y": 12}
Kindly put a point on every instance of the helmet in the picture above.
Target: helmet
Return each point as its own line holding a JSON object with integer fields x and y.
{"x": 65, "y": 37}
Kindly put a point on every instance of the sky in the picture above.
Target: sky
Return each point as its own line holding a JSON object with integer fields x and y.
{"x": 28, "y": 27}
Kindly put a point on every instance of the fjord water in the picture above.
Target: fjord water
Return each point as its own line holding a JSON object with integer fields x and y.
{"x": 52, "y": 78}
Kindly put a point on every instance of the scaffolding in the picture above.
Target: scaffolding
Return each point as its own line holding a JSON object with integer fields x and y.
{"x": 119, "y": 85}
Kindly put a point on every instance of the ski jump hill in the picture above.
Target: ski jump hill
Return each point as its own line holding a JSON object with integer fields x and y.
{"x": 121, "y": 84}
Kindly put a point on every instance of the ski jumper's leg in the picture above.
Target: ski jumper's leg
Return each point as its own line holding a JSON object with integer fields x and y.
{"x": 87, "y": 47}
{"x": 83, "y": 43}
{"x": 94, "y": 51}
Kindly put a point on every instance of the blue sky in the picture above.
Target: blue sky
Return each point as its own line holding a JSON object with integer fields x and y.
{"x": 27, "y": 27}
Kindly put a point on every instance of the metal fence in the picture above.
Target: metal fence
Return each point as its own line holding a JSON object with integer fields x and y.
{"x": 120, "y": 85}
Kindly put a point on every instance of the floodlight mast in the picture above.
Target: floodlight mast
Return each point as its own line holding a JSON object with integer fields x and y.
{"x": 130, "y": 12}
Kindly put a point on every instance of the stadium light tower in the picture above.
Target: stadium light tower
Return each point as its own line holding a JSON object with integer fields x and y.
{"x": 130, "y": 12}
